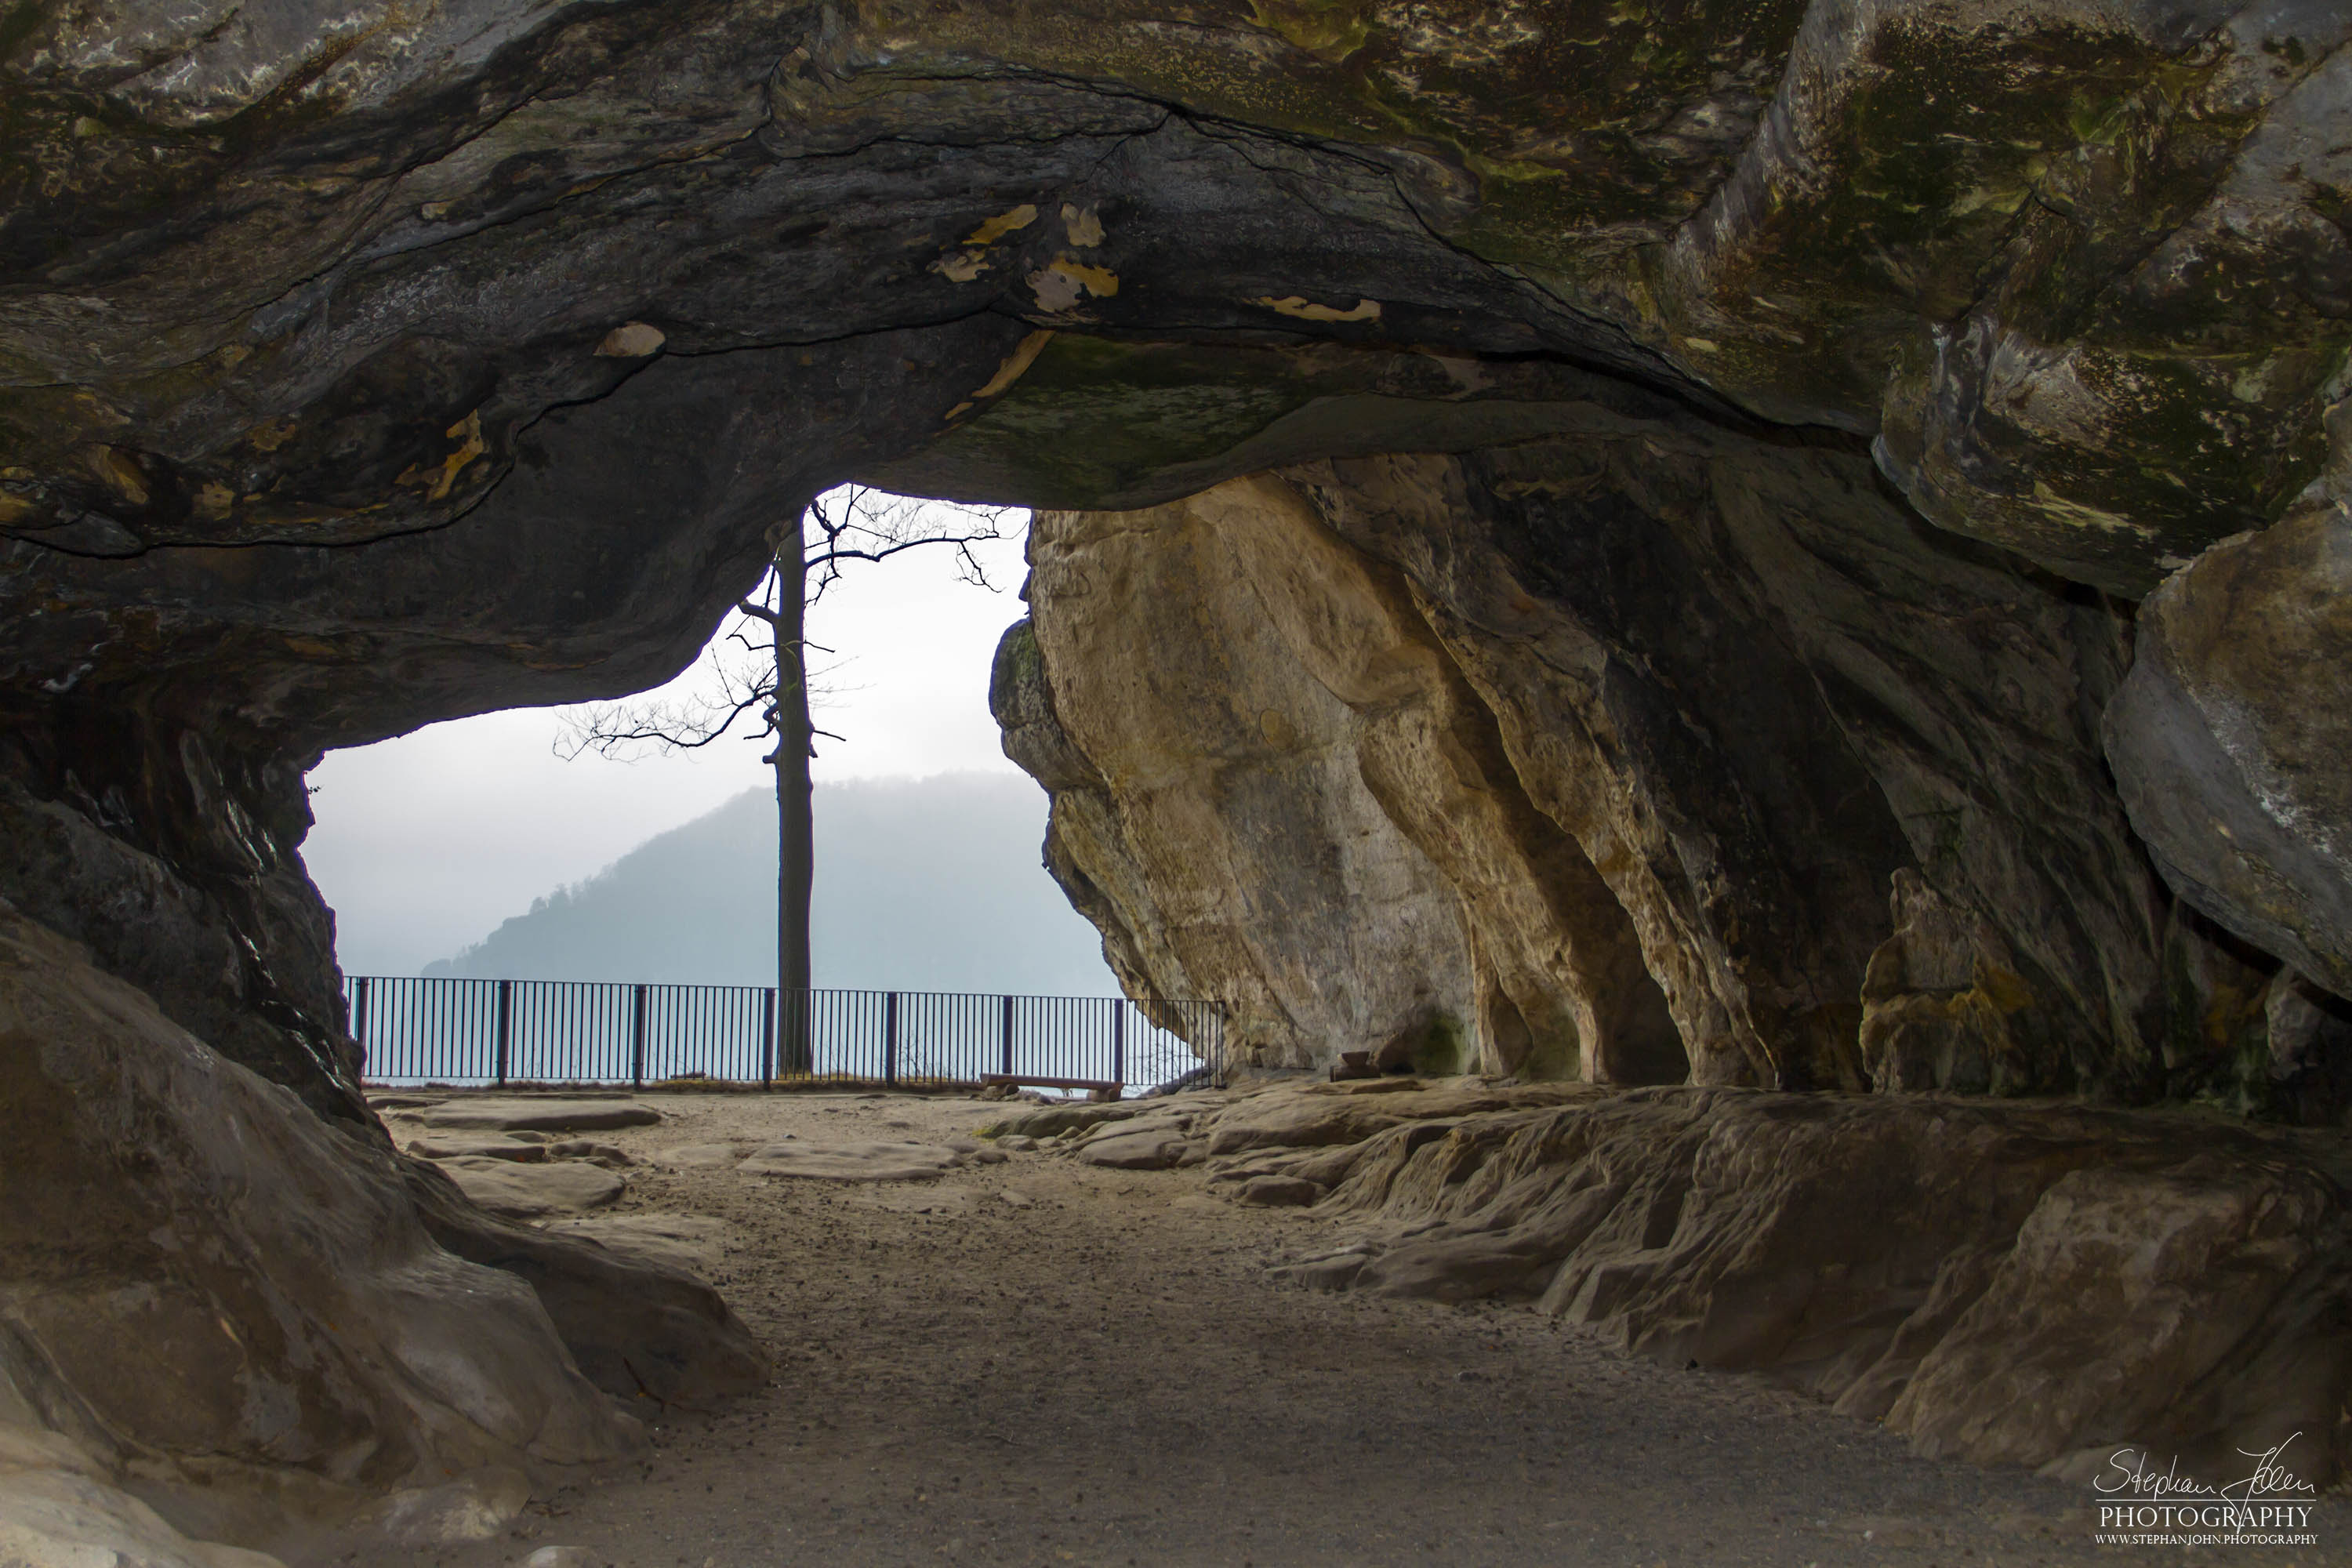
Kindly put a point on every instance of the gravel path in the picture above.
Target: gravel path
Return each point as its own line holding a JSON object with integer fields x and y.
{"x": 1039, "y": 1361}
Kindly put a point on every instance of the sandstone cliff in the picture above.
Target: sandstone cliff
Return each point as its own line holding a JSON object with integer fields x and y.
{"x": 1589, "y": 758}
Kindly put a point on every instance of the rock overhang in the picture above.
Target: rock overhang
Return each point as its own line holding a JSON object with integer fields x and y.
{"x": 360, "y": 376}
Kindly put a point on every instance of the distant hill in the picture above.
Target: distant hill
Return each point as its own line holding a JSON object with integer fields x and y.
{"x": 921, "y": 884}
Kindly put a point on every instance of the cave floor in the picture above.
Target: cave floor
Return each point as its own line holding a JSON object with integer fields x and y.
{"x": 1105, "y": 1376}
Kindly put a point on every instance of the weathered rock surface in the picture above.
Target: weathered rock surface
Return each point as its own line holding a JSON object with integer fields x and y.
{"x": 2231, "y": 740}
{"x": 1051, "y": 1121}
{"x": 637, "y": 1330}
{"x": 58, "y": 1510}
{"x": 532, "y": 1191}
{"x": 201, "y": 1281}
{"x": 703, "y": 1155}
{"x": 2009, "y": 1284}
{"x": 1616, "y": 753}
{"x": 1147, "y": 1151}
{"x": 854, "y": 1161}
{"x": 695, "y": 1243}
{"x": 52, "y": 1519}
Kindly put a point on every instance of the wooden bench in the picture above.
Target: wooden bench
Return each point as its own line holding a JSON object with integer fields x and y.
{"x": 1096, "y": 1088}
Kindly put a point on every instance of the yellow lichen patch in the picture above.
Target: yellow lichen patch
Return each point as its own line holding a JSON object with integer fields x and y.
{"x": 214, "y": 502}
{"x": 1305, "y": 310}
{"x": 467, "y": 434}
{"x": 270, "y": 437}
{"x": 1063, "y": 283}
{"x": 1329, "y": 31}
{"x": 1082, "y": 225}
{"x": 120, "y": 473}
{"x": 2003, "y": 988}
{"x": 963, "y": 266}
{"x": 1003, "y": 224}
{"x": 1016, "y": 363}
{"x": 2089, "y": 517}
{"x": 16, "y": 509}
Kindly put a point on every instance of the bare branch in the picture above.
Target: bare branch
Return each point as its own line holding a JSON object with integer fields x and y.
{"x": 854, "y": 523}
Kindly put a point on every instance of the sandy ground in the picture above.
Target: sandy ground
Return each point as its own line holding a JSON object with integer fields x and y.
{"x": 1040, "y": 1361}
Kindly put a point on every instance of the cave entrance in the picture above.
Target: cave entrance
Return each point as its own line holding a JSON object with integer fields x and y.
{"x": 473, "y": 848}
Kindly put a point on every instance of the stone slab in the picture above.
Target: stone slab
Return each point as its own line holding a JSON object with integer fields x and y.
{"x": 541, "y": 1115}
{"x": 701, "y": 1156}
{"x": 852, "y": 1161}
{"x": 461, "y": 1148}
{"x": 1145, "y": 1150}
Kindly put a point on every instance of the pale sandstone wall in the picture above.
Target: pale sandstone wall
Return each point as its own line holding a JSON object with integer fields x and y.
{"x": 1719, "y": 755}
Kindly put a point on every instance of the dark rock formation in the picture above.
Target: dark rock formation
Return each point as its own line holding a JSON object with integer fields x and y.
{"x": 1706, "y": 466}
{"x": 217, "y": 1293}
{"x": 2230, "y": 740}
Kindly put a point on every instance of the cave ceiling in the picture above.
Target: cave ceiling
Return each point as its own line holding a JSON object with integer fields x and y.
{"x": 376, "y": 283}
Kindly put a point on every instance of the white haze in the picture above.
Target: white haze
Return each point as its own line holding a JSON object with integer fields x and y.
{"x": 921, "y": 885}
{"x": 426, "y": 843}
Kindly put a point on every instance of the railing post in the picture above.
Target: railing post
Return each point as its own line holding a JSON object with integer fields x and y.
{"x": 1118, "y": 1044}
{"x": 1007, "y": 1068}
{"x": 768, "y": 1038}
{"x": 890, "y": 1039}
{"x": 506, "y": 1031}
{"x": 638, "y": 1037}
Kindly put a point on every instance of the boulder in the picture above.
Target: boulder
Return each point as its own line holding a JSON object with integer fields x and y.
{"x": 865, "y": 1161}
{"x": 2231, "y": 739}
{"x": 454, "y": 1513}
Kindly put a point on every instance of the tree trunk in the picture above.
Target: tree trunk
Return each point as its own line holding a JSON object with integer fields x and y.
{"x": 795, "y": 832}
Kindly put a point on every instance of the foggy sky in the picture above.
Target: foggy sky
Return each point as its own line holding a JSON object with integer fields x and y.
{"x": 921, "y": 885}
{"x": 425, "y": 843}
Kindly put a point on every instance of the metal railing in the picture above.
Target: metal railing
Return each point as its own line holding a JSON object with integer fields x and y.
{"x": 502, "y": 1032}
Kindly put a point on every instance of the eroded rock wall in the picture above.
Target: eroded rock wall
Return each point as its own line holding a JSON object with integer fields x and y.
{"x": 1681, "y": 722}
{"x": 235, "y": 1309}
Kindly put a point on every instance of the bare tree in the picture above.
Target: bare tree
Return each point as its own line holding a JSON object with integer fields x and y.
{"x": 763, "y": 687}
